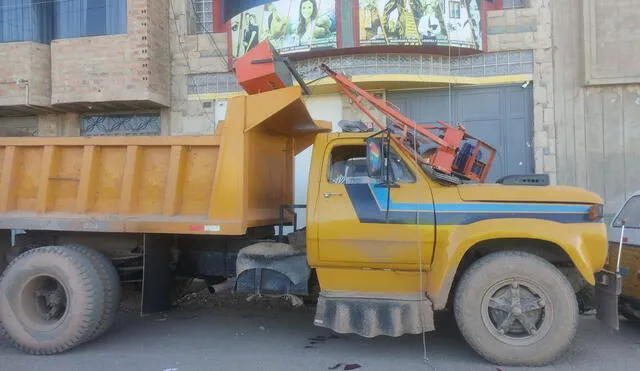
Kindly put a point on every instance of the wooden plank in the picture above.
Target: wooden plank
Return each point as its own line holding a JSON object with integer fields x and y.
{"x": 88, "y": 175}
{"x": 129, "y": 181}
{"x": 613, "y": 170}
{"x": 631, "y": 129}
{"x": 46, "y": 171}
{"x": 594, "y": 134}
{"x": 574, "y": 91}
{"x": 610, "y": 55}
{"x": 8, "y": 178}
{"x": 582, "y": 167}
{"x": 563, "y": 122}
{"x": 175, "y": 180}
{"x": 631, "y": 261}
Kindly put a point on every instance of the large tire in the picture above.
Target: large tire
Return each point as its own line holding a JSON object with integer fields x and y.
{"x": 484, "y": 301}
{"x": 47, "y": 276}
{"x": 111, "y": 283}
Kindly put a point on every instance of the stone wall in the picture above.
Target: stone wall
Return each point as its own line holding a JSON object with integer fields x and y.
{"x": 597, "y": 96}
{"x": 192, "y": 54}
{"x": 159, "y": 55}
{"x": 59, "y": 125}
{"x": 18, "y": 126}
{"x": 530, "y": 29}
{"x": 25, "y": 60}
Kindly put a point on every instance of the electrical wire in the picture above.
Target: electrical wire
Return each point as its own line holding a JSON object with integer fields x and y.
{"x": 425, "y": 355}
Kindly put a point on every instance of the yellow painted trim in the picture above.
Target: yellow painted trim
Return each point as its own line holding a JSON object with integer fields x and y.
{"x": 400, "y": 82}
{"x": 214, "y": 96}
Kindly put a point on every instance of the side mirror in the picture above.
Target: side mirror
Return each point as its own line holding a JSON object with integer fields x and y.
{"x": 375, "y": 157}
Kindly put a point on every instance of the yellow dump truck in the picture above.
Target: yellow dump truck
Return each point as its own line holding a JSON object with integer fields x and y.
{"x": 108, "y": 213}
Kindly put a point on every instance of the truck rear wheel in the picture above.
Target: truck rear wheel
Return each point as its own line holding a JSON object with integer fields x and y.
{"x": 515, "y": 308}
{"x": 51, "y": 300}
{"x": 111, "y": 283}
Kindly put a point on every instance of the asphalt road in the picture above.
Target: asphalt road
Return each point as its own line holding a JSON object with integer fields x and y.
{"x": 230, "y": 334}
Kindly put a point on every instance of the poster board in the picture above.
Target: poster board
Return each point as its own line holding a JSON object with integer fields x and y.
{"x": 455, "y": 23}
{"x": 292, "y": 26}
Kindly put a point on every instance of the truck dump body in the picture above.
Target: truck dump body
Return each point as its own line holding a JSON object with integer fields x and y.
{"x": 219, "y": 184}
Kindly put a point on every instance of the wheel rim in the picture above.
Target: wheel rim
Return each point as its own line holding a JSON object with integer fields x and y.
{"x": 517, "y": 311}
{"x": 44, "y": 301}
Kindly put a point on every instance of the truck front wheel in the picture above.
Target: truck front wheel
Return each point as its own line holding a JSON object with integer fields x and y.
{"x": 515, "y": 308}
{"x": 51, "y": 300}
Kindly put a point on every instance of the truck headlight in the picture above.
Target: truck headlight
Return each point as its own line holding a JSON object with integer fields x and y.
{"x": 596, "y": 212}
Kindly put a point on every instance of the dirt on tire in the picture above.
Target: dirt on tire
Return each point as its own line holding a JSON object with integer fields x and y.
{"x": 561, "y": 310}
{"x": 21, "y": 316}
{"x": 111, "y": 283}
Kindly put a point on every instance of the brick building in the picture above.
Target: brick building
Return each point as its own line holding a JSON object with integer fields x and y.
{"x": 552, "y": 84}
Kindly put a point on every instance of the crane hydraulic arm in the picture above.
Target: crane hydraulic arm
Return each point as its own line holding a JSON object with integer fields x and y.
{"x": 452, "y": 152}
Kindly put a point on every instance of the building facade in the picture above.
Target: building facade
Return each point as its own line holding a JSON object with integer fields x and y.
{"x": 551, "y": 84}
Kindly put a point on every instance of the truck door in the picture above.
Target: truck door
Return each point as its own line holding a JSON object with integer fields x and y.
{"x": 360, "y": 224}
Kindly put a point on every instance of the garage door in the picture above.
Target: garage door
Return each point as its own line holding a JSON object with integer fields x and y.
{"x": 500, "y": 115}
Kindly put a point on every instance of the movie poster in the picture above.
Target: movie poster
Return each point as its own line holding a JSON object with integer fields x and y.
{"x": 290, "y": 25}
{"x": 421, "y": 23}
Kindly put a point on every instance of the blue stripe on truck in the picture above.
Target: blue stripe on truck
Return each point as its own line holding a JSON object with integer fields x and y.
{"x": 370, "y": 205}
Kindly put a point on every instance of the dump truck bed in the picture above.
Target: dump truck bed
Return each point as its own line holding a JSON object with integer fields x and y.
{"x": 220, "y": 184}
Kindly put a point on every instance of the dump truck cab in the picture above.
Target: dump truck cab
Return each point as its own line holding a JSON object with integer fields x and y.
{"x": 507, "y": 259}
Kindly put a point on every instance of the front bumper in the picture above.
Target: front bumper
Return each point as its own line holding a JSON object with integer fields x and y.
{"x": 607, "y": 295}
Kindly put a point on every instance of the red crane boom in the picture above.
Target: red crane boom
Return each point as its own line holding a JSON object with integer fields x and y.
{"x": 453, "y": 152}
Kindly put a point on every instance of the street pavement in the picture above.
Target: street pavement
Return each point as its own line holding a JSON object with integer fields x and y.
{"x": 231, "y": 334}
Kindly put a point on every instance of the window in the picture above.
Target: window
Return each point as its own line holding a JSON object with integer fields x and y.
{"x": 81, "y": 18}
{"x": 202, "y": 16}
{"x": 631, "y": 212}
{"x": 139, "y": 124}
{"x": 508, "y": 4}
{"x": 349, "y": 166}
{"x": 26, "y": 20}
{"x": 454, "y": 9}
{"x": 44, "y": 20}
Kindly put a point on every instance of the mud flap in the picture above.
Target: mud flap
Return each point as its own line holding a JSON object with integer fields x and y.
{"x": 370, "y": 315}
{"x": 5, "y": 246}
{"x": 156, "y": 283}
{"x": 608, "y": 289}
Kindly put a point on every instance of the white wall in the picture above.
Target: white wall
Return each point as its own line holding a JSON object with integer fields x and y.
{"x": 322, "y": 107}
{"x": 219, "y": 111}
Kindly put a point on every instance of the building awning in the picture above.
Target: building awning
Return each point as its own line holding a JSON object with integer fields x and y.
{"x": 391, "y": 82}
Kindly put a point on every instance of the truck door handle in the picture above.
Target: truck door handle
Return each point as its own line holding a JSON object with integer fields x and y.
{"x": 329, "y": 194}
